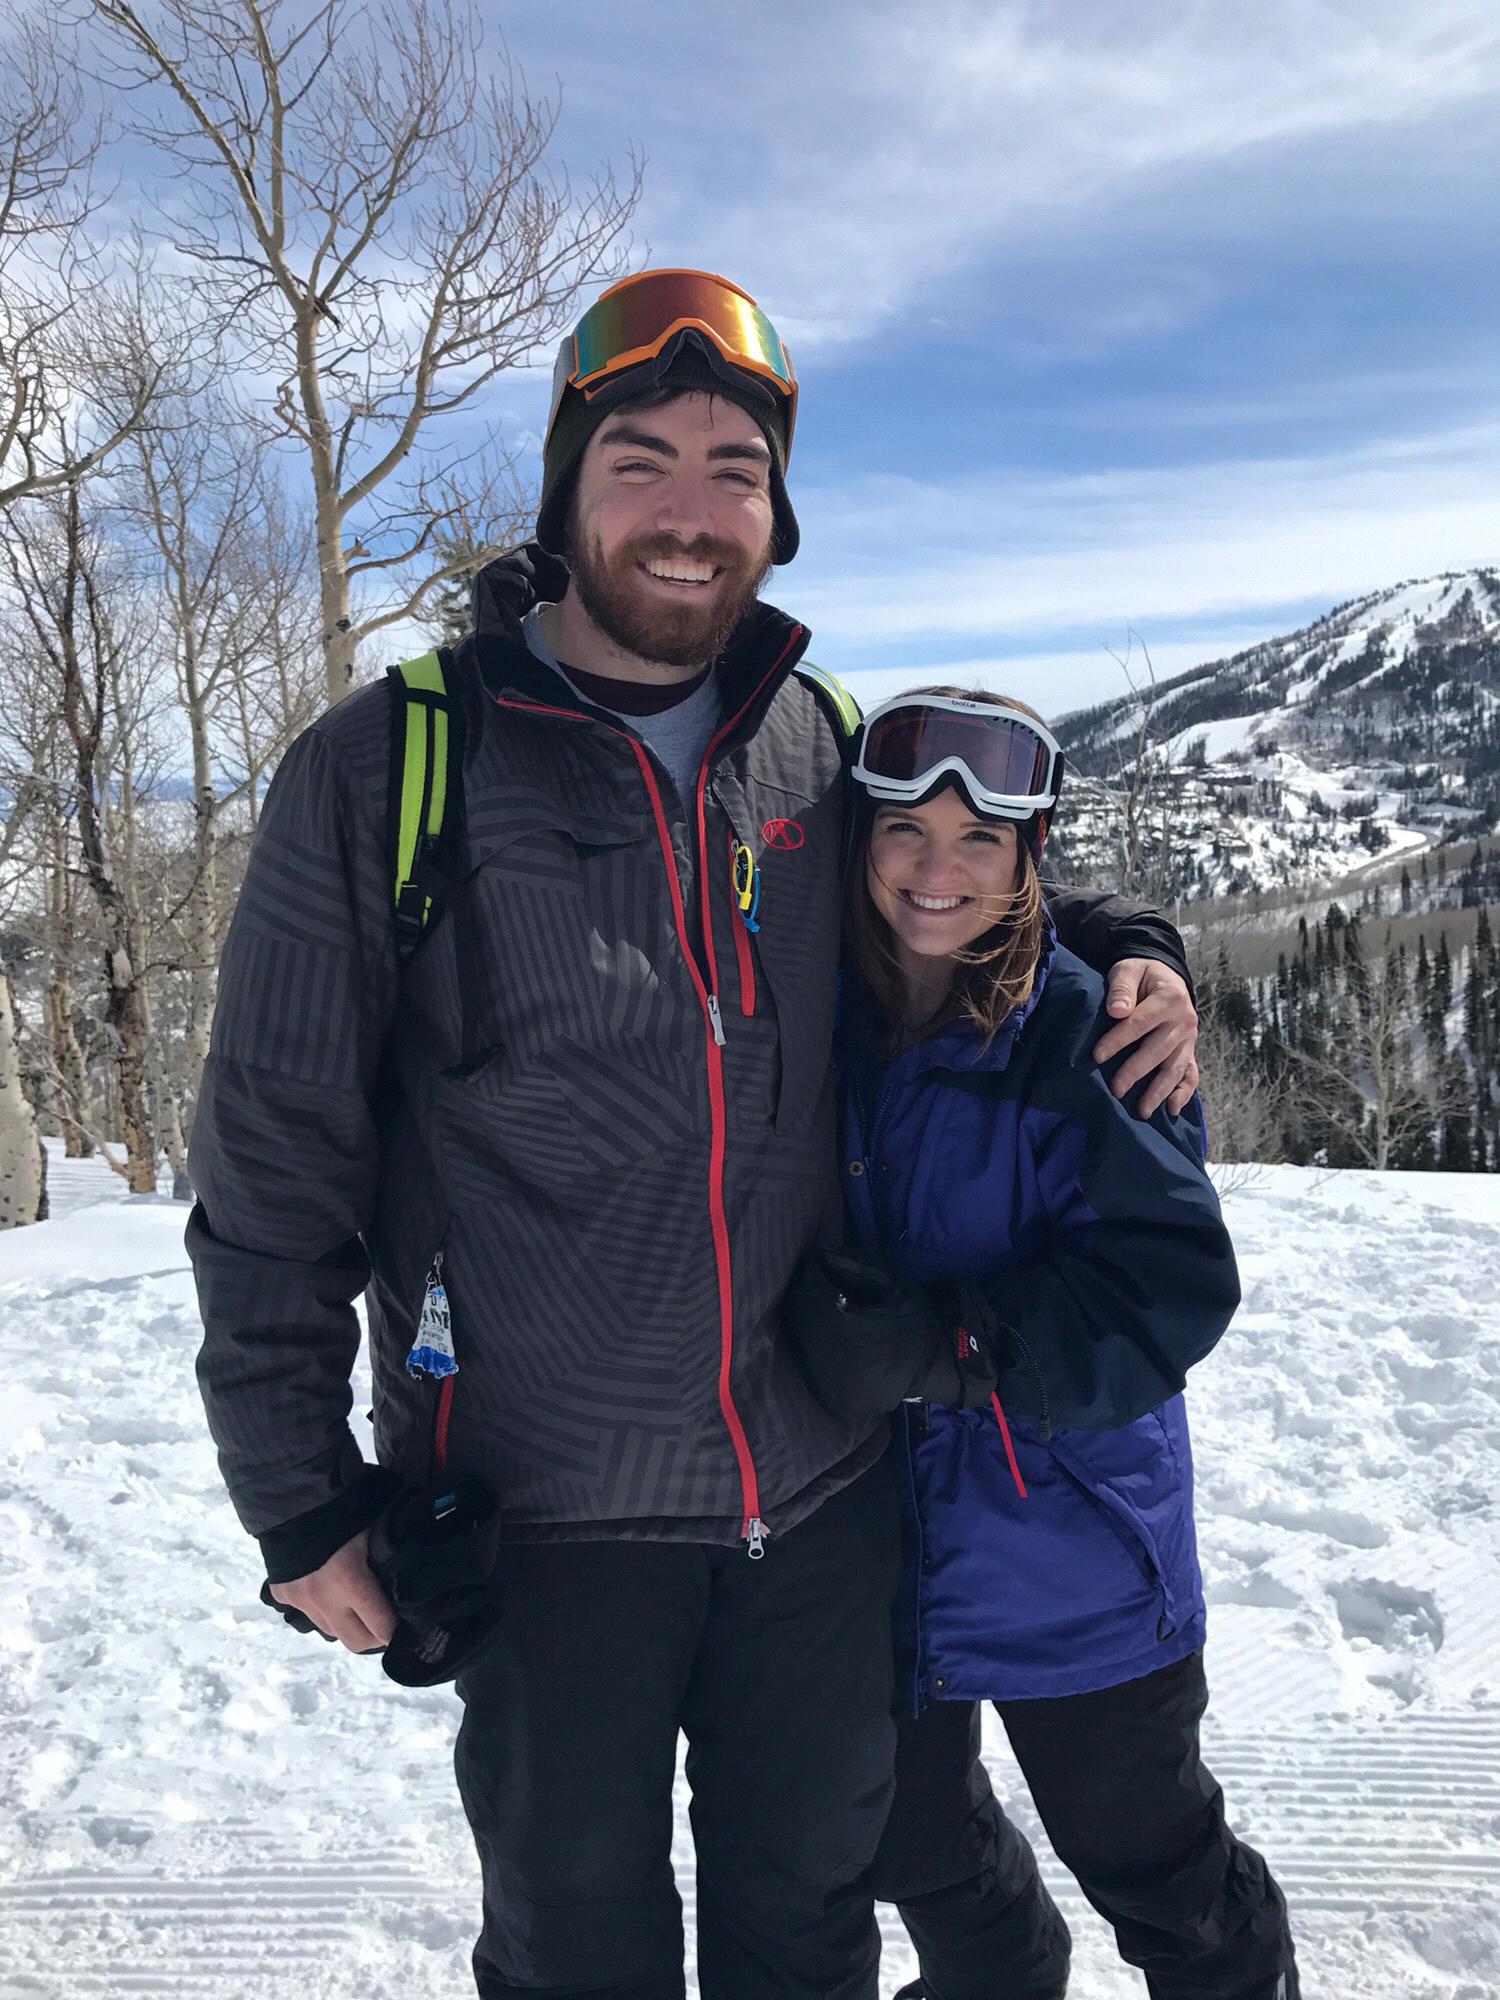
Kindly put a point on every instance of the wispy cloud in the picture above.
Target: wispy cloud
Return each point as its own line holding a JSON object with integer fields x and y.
{"x": 854, "y": 153}
{"x": 901, "y": 563}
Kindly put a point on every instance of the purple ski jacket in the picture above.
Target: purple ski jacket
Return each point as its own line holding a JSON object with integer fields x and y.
{"x": 1050, "y": 1544}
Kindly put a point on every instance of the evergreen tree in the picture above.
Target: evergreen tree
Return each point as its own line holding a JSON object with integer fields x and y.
{"x": 1439, "y": 1000}
{"x": 1455, "y": 1147}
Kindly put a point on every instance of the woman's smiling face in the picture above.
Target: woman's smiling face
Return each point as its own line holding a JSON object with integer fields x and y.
{"x": 940, "y": 876}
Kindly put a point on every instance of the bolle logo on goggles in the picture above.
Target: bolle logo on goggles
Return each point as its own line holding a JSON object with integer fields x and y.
{"x": 786, "y": 834}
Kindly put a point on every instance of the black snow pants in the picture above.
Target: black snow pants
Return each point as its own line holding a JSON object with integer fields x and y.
{"x": 1118, "y": 1781}
{"x": 779, "y": 1674}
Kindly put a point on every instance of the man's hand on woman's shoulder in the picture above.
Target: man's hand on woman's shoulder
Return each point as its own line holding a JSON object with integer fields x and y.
{"x": 1154, "y": 1016}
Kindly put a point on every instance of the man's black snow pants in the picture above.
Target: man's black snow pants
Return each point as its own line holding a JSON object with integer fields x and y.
{"x": 779, "y": 1674}
{"x": 1129, "y": 1806}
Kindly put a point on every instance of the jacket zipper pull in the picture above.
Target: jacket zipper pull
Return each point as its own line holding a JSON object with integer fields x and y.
{"x": 755, "y": 1536}
{"x": 716, "y": 1019}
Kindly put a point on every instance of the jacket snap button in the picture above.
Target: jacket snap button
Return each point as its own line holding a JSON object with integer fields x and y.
{"x": 939, "y": 1682}
{"x": 856, "y": 1167}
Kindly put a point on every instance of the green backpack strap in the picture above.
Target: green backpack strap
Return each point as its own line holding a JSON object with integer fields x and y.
{"x": 833, "y": 697}
{"x": 842, "y": 711}
{"x": 426, "y": 740}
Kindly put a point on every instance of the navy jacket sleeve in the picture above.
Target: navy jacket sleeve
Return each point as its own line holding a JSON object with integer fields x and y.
{"x": 1102, "y": 929}
{"x": 1129, "y": 1274}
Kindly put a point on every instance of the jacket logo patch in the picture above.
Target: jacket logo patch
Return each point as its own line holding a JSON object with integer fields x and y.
{"x": 783, "y": 833}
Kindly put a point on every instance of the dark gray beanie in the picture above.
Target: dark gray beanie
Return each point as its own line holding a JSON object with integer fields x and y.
{"x": 689, "y": 366}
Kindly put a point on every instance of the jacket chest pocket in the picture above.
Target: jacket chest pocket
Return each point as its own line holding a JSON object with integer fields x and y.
{"x": 558, "y": 928}
{"x": 571, "y": 1024}
{"x": 777, "y": 919}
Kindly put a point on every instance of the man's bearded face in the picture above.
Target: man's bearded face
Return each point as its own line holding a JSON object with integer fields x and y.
{"x": 670, "y": 528}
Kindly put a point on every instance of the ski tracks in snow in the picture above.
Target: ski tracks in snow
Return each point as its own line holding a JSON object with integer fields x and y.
{"x": 206, "y": 1807}
{"x": 1347, "y": 1438}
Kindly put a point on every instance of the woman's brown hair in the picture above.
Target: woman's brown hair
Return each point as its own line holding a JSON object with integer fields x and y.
{"x": 996, "y": 974}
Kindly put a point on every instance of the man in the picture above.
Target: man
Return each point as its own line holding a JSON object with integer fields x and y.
{"x": 596, "y": 1099}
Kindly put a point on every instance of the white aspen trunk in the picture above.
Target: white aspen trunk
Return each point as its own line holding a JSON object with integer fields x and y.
{"x": 71, "y": 1094}
{"x": 174, "y": 1145}
{"x": 328, "y": 513}
{"x": 23, "y": 1184}
{"x": 203, "y": 905}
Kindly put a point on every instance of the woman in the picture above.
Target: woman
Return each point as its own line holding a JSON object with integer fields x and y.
{"x": 1047, "y": 1267}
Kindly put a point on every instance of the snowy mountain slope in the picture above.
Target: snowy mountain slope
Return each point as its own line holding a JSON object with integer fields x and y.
{"x": 206, "y": 1807}
{"x": 1375, "y": 729}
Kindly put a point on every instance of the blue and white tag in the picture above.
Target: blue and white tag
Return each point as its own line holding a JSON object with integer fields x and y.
{"x": 432, "y": 1350}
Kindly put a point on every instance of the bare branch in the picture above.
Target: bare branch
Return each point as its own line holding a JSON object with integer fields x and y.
{"x": 377, "y": 228}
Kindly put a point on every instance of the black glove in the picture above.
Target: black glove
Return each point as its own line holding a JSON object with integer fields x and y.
{"x": 435, "y": 1553}
{"x": 866, "y": 1342}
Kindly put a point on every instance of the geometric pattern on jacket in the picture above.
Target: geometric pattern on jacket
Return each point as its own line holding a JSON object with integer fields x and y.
{"x": 538, "y": 1092}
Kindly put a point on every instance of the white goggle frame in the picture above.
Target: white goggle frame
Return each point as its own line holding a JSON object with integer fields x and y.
{"x": 1004, "y": 805}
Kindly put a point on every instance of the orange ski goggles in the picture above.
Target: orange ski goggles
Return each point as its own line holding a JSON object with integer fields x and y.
{"x": 639, "y": 321}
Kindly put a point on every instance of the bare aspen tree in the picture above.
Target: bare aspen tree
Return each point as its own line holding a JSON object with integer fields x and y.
{"x": 1145, "y": 820}
{"x": 68, "y": 327}
{"x": 72, "y": 1106}
{"x": 373, "y": 216}
{"x": 23, "y": 1165}
{"x": 38, "y": 863}
{"x": 99, "y": 671}
{"x": 279, "y": 688}
{"x": 1366, "y": 1087}
{"x": 1243, "y": 1107}
{"x": 206, "y": 504}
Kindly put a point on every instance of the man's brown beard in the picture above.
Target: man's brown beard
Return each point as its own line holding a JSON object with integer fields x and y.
{"x": 689, "y": 635}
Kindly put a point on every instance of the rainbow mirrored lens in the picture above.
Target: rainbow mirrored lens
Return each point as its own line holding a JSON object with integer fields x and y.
{"x": 1000, "y": 751}
{"x": 635, "y": 321}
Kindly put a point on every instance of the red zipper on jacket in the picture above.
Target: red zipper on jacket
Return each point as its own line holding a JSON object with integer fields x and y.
{"x": 752, "y": 1528}
{"x": 444, "y": 1412}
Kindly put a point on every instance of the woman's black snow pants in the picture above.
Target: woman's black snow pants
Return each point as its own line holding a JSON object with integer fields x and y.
{"x": 1129, "y": 1806}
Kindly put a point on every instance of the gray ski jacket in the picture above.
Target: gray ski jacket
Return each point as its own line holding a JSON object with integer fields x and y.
{"x": 602, "y": 1098}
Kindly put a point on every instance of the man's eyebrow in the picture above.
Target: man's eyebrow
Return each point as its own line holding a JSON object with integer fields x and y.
{"x": 643, "y": 440}
{"x": 756, "y": 451}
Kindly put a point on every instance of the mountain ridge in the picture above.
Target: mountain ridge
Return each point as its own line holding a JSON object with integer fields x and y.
{"x": 1371, "y": 731}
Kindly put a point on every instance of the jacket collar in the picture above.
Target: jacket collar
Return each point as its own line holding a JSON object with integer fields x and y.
{"x": 504, "y": 591}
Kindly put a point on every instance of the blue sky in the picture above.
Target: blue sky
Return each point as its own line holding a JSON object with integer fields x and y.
{"x": 1180, "y": 317}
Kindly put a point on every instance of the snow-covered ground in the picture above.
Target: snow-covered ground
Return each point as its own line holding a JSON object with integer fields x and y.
{"x": 205, "y": 1807}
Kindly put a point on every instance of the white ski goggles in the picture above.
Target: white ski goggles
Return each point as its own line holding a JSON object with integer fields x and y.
{"x": 1009, "y": 765}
